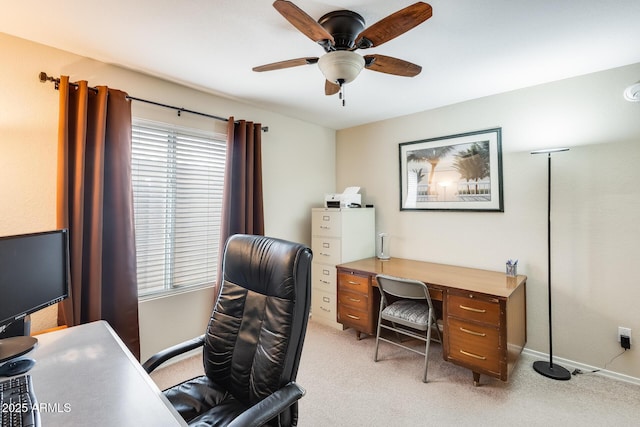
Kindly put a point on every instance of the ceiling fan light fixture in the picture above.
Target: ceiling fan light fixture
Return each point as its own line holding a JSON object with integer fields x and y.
{"x": 632, "y": 93}
{"x": 341, "y": 66}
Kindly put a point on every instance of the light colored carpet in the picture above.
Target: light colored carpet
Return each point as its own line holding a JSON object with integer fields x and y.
{"x": 345, "y": 387}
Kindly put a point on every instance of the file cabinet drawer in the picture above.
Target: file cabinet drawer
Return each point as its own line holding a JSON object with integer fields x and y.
{"x": 323, "y": 305}
{"x": 323, "y": 277}
{"x": 326, "y": 250}
{"x": 326, "y": 223}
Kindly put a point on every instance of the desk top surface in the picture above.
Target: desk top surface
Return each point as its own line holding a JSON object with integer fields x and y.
{"x": 85, "y": 376}
{"x": 441, "y": 275}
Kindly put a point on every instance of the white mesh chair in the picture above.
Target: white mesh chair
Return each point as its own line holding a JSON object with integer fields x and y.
{"x": 406, "y": 309}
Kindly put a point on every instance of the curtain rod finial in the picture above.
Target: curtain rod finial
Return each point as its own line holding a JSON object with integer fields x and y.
{"x": 45, "y": 78}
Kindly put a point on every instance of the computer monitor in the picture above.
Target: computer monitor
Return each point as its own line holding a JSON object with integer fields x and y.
{"x": 34, "y": 274}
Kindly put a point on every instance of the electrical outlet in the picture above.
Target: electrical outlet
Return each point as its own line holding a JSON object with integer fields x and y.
{"x": 624, "y": 332}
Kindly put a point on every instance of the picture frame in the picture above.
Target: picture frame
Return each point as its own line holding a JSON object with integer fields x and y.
{"x": 461, "y": 172}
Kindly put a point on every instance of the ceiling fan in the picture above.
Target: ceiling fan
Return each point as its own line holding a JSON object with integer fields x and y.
{"x": 343, "y": 31}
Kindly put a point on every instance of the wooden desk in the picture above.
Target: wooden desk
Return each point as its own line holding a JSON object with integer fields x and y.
{"x": 85, "y": 376}
{"x": 483, "y": 312}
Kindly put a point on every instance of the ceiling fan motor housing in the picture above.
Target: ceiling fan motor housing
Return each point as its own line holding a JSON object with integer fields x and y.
{"x": 344, "y": 26}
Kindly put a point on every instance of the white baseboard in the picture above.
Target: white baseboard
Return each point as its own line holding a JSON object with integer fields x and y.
{"x": 571, "y": 365}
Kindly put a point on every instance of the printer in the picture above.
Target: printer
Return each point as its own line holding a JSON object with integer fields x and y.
{"x": 350, "y": 198}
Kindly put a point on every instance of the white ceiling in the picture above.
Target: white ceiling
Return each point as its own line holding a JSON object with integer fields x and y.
{"x": 467, "y": 49}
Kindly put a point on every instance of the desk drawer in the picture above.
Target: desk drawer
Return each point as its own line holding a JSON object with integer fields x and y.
{"x": 475, "y": 337}
{"x": 352, "y": 282}
{"x": 475, "y": 345}
{"x": 435, "y": 294}
{"x": 475, "y": 308}
{"x": 357, "y": 319}
{"x": 354, "y": 300}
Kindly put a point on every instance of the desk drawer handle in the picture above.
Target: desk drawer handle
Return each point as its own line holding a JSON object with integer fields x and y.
{"x": 475, "y": 310}
{"x": 325, "y": 309}
{"x": 326, "y": 282}
{"x": 325, "y": 227}
{"x": 324, "y": 254}
{"x": 351, "y": 316}
{"x": 354, "y": 299}
{"x": 478, "y": 334}
{"x": 351, "y": 282}
{"x": 466, "y": 353}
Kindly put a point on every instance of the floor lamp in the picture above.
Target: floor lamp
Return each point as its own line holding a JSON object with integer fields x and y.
{"x": 549, "y": 369}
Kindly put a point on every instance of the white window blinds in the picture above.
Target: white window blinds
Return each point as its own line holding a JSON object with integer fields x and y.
{"x": 178, "y": 179}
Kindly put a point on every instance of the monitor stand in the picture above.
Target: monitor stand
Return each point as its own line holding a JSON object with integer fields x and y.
{"x": 17, "y": 328}
{"x": 16, "y": 346}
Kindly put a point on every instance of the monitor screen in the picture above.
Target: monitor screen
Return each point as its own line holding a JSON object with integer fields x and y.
{"x": 34, "y": 273}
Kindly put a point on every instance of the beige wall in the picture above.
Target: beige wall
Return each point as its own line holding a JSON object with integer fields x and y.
{"x": 298, "y": 162}
{"x": 596, "y": 206}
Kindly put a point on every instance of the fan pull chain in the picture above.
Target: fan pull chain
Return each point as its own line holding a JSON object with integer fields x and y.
{"x": 341, "y": 94}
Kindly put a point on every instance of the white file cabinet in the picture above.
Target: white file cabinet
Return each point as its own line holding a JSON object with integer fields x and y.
{"x": 337, "y": 236}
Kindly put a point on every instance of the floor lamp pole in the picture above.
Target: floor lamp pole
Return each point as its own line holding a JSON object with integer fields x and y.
{"x": 548, "y": 369}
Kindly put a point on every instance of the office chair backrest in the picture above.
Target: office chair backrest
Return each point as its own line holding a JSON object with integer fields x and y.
{"x": 256, "y": 331}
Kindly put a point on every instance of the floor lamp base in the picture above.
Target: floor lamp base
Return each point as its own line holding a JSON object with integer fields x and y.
{"x": 552, "y": 371}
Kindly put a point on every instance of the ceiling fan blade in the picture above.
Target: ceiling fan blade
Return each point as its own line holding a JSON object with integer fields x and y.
{"x": 286, "y": 64}
{"x": 330, "y": 88}
{"x": 390, "y": 65}
{"x": 394, "y": 25}
{"x": 303, "y": 22}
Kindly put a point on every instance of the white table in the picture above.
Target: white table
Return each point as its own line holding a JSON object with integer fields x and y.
{"x": 85, "y": 376}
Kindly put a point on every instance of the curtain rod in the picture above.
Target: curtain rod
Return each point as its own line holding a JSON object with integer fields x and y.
{"x": 56, "y": 81}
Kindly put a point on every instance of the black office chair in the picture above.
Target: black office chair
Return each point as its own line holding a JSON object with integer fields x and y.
{"x": 252, "y": 346}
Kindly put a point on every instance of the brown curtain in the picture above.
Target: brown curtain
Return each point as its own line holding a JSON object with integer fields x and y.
{"x": 242, "y": 208}
{"x": 95, "y": 202}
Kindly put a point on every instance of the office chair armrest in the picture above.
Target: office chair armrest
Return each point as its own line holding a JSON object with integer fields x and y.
{"x": 269, "y": 407}
{"x": 162, "y": 356}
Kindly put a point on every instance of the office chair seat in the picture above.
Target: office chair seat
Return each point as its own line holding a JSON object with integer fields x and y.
{"x": 201, "y": 400}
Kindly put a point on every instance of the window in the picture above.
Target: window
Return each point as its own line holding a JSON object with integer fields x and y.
{"x": 177, "y": 176}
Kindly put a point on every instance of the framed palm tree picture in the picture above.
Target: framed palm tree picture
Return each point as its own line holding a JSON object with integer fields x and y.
{"x": 456, "y": 172}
